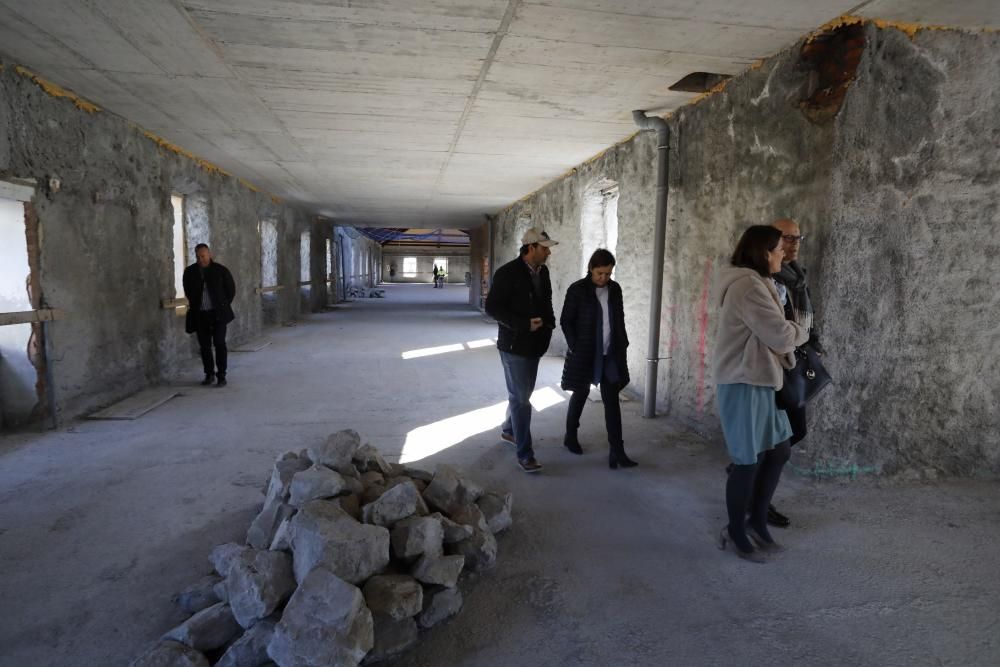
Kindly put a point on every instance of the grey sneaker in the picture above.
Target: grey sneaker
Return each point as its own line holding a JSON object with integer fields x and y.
{"x": 530, "y": 465}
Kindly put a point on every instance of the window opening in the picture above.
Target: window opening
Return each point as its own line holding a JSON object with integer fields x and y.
{"x": 268, "y": 254}
{"x": 18, "y": 376}
{"x": 180, "y": 245}
{"x": 305, "y": 246}
{"x": 409, "y": 267}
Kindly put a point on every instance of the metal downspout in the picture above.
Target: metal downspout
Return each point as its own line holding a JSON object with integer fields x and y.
{"x": 656, "y": 283}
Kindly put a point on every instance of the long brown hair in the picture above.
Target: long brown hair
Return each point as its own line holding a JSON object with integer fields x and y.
{"x": 756, "y": 242}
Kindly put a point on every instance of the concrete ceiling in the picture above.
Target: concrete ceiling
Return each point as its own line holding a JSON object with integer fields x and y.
{"x": 409, "y": 113}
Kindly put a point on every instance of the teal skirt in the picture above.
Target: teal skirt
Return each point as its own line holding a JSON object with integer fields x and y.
{"x": 751, "y": 422}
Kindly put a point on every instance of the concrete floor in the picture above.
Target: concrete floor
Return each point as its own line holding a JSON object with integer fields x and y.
{"x": 101, "y": 522}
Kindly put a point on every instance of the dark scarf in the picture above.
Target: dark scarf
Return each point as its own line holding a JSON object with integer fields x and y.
{"x": 793, "y": 277}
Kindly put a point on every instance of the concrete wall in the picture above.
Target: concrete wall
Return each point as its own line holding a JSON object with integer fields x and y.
{"x": 479, "y": 265}
{"x": 458, "y": 263}
{"x": 358, "y": 260}
{"x": 106, "y": 257}
{"x": 898, "y": 190}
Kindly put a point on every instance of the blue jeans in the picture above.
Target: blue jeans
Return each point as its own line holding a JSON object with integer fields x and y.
{"x": 520, "y": 373}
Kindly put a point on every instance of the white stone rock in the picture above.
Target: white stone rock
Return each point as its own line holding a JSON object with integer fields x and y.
{"x": 324, "y": 535}
{"x": 368, "y": 459}
{"x": 480, "y": 550}
{"x": 448, "y": 490}
{"x": 258, "y": 583}
{"x": 316, "y": 483}
{"x": 439, "y": 604}
{"x": 395, "y": 504}
{"x": 325, "y": 623}
{"x": 265, "y": 525}
{"x": 223, "y": 556}
{"x": 394, "y": 595}
{"x": 416, "y": 536}
{"x": 453, "y": 531}
{"x": 170, "y": 654}
{"x": 282, "y": 537}
{"x": 392, "y": 637}
{"x": 250, "y": 650}
{"x": 337, "y": 451}
{"x": 496, "y": 509}
{"x": 470, "y": 515}
{"x": 440, "y": 570}
{"x": 209, "y": 629}
{"x": 281, "y": 478}
{"x": 199, "y": 595}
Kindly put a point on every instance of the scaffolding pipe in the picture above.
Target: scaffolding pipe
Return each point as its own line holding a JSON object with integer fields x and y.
{"x": 656, "y": 283}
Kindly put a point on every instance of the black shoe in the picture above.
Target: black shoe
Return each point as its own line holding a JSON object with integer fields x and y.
{"x": 776, "y": 518}
{"x": 572, "y": 444}
{"x": 619, "y": 460}
{"x": 530, "y": 465}
{"x": 221, "y": 382}
{"x": 209, "y": 377}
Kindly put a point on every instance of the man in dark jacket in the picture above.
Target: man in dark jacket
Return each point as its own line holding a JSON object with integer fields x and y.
{"x": 794, "y": 294}
{"x": 520, "y": 300}
{"x": 210, "y": 291}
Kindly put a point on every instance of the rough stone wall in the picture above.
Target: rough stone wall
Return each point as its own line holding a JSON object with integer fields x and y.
{"x": 898, "y": 192}
{"x": 558, "y": 209}
{"x": 359, "y": 260}
{"x": 106, "y": 241}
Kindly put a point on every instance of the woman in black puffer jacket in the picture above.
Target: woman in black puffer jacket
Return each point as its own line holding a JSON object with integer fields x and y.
{"x": 593, "y": 320}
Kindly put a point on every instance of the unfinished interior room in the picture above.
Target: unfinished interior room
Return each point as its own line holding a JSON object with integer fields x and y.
{"x": 499, "y": 332}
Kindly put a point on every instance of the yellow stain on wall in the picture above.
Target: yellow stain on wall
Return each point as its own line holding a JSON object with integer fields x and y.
{"x": 56, "y": 90}
{"x": 174, "y": 148}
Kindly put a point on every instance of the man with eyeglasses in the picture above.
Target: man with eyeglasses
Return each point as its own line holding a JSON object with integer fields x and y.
{"x": 793, "y": 291}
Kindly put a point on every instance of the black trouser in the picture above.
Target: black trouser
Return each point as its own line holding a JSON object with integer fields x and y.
{"x": 612, "y": 413}
{"x": 212, "y": 332}
{"x": 797, "y": 418}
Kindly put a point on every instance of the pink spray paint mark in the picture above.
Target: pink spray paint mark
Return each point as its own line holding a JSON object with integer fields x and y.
{"x": 703, "y": 334}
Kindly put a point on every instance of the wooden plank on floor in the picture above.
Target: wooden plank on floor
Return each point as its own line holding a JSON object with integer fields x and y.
{"x": 252, "y": 346}
{"x": 137, "y": 405}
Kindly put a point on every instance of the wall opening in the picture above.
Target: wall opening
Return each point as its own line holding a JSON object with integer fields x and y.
{"x": 305, "y": 250}
{"x": 18, "y": 375}
{"x": 180, "y": 245}
{"x": 442, "y": 264}
{"x": 409, "y": 267}
{"x": 598, "y": 220}
{"x": 268, "y": 254}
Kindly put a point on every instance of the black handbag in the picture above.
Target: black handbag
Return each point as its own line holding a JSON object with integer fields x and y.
{"x": 803, "y": 382}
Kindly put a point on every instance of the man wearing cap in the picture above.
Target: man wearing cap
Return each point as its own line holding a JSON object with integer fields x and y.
{"x": 520, "y": 300}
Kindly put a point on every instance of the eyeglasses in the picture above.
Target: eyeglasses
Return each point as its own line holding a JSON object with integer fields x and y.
{"x": 793, "y": 239}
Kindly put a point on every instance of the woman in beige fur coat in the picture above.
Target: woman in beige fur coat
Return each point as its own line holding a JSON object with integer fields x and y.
{"x": 753, "y": 344}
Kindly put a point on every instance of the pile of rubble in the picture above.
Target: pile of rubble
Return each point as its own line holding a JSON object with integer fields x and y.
{"x": 349, "y": 558}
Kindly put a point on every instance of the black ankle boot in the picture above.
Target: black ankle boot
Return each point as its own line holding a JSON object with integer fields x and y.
{"x": 572, "y": 444}
{"x": 618, "y": 459}
{"x": 209, "y": 378}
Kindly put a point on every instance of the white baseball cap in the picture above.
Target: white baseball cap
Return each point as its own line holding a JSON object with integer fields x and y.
{"x": 537, "y": 236}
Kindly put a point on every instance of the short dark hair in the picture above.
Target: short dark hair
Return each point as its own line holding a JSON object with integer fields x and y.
{"x": 524, "y": 249}
{"x": 601, "y": 257}
{"x": 200, "y": 246}
{"x": 756, "y": 242}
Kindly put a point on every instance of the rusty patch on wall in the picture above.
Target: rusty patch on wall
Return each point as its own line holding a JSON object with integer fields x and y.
{"x": 56, "y": 90}
{"x": 832, "y": 59}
